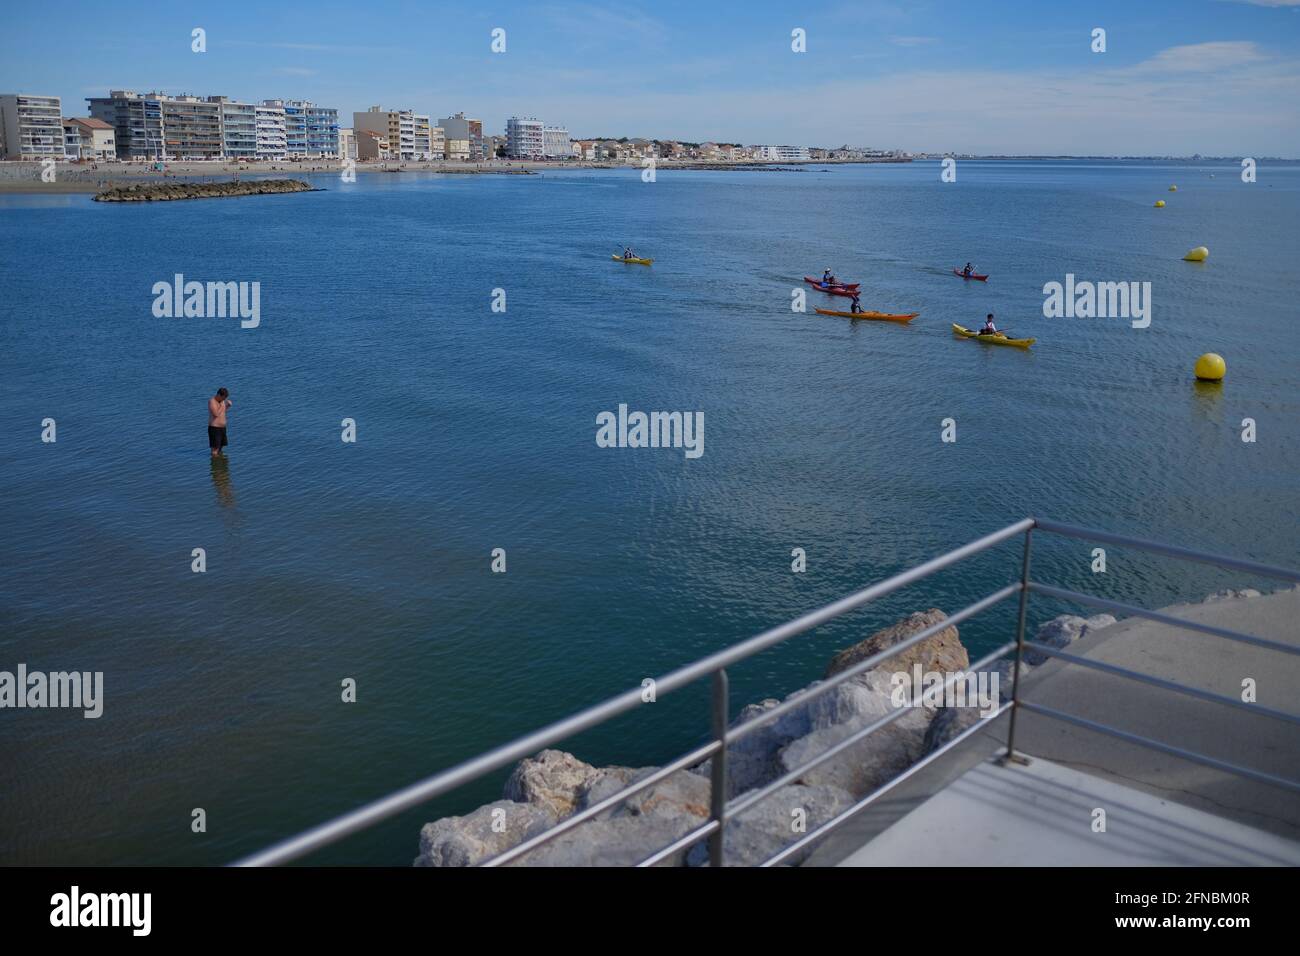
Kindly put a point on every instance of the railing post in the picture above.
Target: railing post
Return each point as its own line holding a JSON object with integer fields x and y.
{"x": 1011, "y": 755}
{"x": 718, "y": 776}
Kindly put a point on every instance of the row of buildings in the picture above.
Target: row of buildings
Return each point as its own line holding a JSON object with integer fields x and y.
{"x": 154, "y": 126}
{"x": 134, "y": 126}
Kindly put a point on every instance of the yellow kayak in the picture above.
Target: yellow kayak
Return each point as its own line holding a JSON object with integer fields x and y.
{"x": 639, "y": 262}
{"x": 998, "y": 339}
{"x": 878, "y": 316}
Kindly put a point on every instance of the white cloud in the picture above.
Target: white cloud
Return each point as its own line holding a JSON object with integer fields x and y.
{"x": 1202, "y": 57}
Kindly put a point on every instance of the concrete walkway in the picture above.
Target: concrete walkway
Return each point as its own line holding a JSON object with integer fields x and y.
{"x": 1215, "y": 730}
{"x": 1170, "y": 810}
{"x": 1042, "y": 815}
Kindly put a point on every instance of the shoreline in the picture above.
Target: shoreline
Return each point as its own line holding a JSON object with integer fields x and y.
{"x": 25, "y": 177}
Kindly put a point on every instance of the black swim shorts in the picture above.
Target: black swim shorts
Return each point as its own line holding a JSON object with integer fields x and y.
{"x": 216, "y": 437}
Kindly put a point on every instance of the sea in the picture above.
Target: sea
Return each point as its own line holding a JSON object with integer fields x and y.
{"x": 347, "y": 634}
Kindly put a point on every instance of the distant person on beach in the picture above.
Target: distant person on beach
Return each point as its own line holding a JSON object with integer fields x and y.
{"x": 989, "y": 327}
{"x": 217, "y": 406}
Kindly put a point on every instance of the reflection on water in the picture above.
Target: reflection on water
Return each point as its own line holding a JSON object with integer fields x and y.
{"x": 1206, "y": 397}
{"x": 225, "y": 492}
{"x": 221, "y": 481}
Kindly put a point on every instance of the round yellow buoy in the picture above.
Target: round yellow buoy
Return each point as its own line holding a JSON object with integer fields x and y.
{"x": 1173, "y": 189}
{"x": 1199, "y": 254}
{"x": 1159, "y": 203}
{"x": 1210, "y": 367}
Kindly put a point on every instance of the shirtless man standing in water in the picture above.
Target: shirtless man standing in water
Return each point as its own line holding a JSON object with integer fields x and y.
{"x": 217, "y": 406}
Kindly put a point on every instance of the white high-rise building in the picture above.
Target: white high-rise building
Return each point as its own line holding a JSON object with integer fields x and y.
{"x": 31, "y": 127}
{"x": 271, "y": 139}
{"x": 555, "y": 143}
{"x": 524, "y": 138}
{"x": 783, "y": 152}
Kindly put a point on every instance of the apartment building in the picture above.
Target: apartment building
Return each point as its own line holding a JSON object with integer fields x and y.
{"x": 347, "y": 143}
{"x": 311, "y": 131}
{"x": 192, "y": 128}
{"x": 437, "y": 142}
{"x": 409, "y": 135}
{"x": 462, "y": 128}
{"x": 136, "y": 119}
{"x": 783, "y": 152}
{"x": 525, "y": 138}
{"x": 31, "y": 127}
{"x": 555, "y": 142}
{"x": 91, "y": 139}
{"x": 423, "y": 138}
{"x": 238, "y": 128}
{"x": 272, "y": 143}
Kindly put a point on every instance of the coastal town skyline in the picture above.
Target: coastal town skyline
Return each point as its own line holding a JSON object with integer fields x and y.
{"x": 1220, "y": 72}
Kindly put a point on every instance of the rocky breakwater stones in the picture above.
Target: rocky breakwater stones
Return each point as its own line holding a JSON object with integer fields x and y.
{"x": 164, "y": 192}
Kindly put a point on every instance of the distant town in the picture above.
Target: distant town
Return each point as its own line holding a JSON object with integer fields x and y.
{"x": 156, "y": 127}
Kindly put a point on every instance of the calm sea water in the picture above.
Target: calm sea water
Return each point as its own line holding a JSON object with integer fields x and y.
{"x": 476, "y": 431}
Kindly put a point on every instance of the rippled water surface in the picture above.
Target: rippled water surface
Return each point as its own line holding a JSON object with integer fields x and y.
{"x": 476, "y": 431}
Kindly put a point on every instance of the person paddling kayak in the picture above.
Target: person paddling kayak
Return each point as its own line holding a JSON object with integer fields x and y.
{"x": 855, "y": 306}
{"x": 968, "y": 270}
{"x": 828, "y": 278}
{"x": 989, "y": 327}
{"x": 628, "y": 253}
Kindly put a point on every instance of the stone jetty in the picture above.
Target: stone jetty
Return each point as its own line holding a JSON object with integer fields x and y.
{"x": 164, "y": 192}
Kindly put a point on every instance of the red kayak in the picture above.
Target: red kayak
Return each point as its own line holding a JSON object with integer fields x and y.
{"x": 838, "y": 285}
{"x": 960, "y": 275}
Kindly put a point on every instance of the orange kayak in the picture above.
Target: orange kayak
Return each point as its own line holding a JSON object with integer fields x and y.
{"x": 878, "y": 316}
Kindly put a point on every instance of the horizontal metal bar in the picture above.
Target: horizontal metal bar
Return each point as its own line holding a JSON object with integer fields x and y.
{"x": 568, "y": 823}
{"x": 1186, "y": 554}
{"x": 1231, "y": 635}
{"x": 1194, "y": 757}
{"x": 741, "y": 805}
{"x": 880, "y": 791}
{"x": 753, "y": 724}
{"x": 1166, "y": 684}
{"x": 694, "y": 836}
{"x": 439, "y": 783}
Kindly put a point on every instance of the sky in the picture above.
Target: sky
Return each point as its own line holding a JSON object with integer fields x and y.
{"x": 1215, "y": 77}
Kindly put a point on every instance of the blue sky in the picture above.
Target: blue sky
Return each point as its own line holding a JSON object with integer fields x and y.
{"x": 1004, "y": 76}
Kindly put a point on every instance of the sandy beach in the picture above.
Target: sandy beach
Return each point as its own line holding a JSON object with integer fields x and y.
{"x": 25, "y": 177}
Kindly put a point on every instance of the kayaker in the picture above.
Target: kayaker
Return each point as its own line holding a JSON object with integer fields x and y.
{"x": 968, "y": 270}
{"x": 989, "y": 327}
{"x": 827, "y": 278}
{"x": 628, "y": 253}
{"x": 855, "y": 306}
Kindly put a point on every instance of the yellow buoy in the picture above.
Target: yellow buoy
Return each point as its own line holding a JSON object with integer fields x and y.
{"x": 1173, "y": 189}
{"x": 1199, "y": 254}
{"x": 1159, "y": 203}
{"x": 1210, "y": 367}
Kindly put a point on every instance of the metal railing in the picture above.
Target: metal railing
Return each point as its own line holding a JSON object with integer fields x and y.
{"x": 715, "y": 751}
